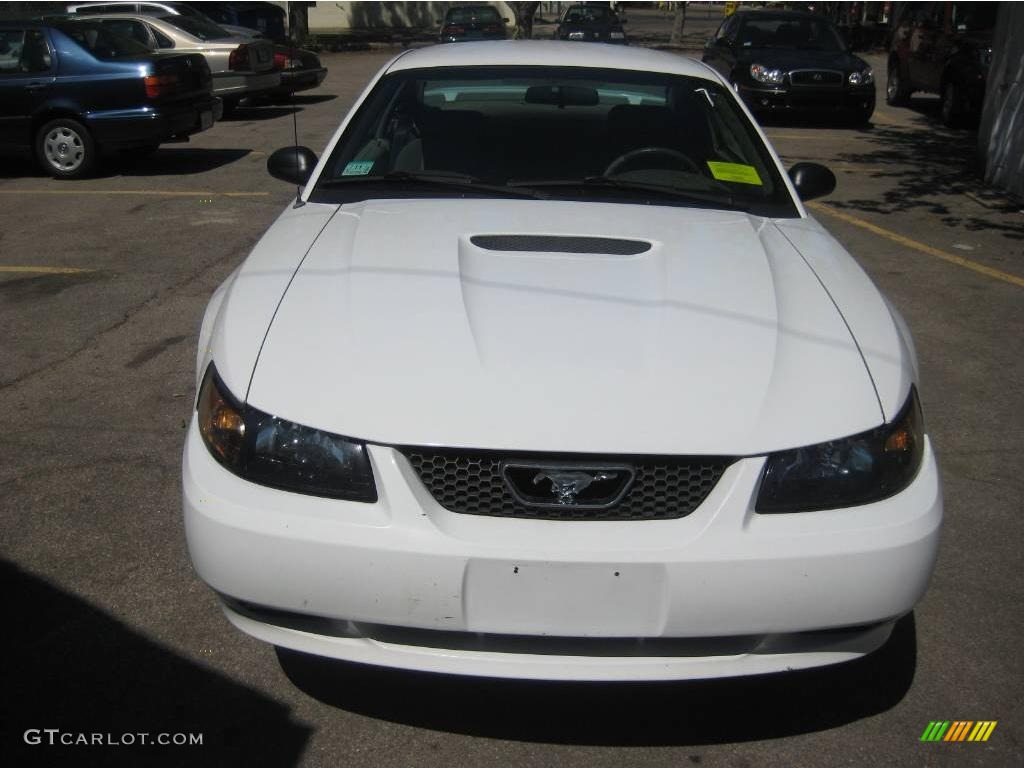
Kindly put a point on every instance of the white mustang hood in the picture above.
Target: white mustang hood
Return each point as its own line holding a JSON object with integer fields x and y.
{"x": 719, "y": 339}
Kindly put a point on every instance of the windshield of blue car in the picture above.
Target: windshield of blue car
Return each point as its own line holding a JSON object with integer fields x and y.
{"x": 101, "y": 40}
{"x": 789, "y": 32}
{"x": 590, "y": 14}
{"x": 567, "y": 133}
{"x": 197, "y": 27}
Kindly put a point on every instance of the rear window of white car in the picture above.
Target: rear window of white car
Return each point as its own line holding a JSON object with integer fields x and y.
{"x": 568, "y": 133}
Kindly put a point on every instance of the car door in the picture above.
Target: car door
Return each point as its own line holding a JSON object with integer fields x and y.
{"x": 27, "y": 73}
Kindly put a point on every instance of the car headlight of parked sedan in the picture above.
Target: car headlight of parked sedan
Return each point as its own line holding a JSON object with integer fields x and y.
{"x": 867, "y": 77}
{"x": 765, "y": 74}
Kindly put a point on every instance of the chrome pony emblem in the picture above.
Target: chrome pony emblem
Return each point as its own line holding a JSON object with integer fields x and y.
{"x": 566, "y": 486}
{"x": 577, "y": 484}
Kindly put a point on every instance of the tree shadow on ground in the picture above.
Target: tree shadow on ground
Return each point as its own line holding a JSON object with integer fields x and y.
{"x": 929, "y": 168}
{"x": 619, "y": 714}
{"x": 70, "y": 666}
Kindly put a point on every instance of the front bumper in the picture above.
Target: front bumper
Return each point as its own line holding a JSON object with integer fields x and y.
{"x": 406, "y": 583}
{"x": 808, "y": 99}
{"x": 125, "y": 128}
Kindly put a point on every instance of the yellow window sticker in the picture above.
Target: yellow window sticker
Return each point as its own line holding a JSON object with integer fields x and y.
{"x": 734, "y": 172}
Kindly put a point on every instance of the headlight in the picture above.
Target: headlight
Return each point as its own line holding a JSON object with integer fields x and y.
{"x": 617, "y": 35}
{"x": 281, "y": 454}
{"x": 764, "y": 74}
{"x": 855, "y": 470}
{"x": 867, "y": 77}
{"x": 576, "y": 35}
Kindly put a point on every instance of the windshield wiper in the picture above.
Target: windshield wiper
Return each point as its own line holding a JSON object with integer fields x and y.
{"x": 717, "y": 200}
{"x": 456, "y": 180}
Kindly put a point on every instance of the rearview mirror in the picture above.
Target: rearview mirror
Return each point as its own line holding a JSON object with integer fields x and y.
{"x": 292, "y": 164}
{"x": 562, "y": 95}
{"x": 812, "y": 180}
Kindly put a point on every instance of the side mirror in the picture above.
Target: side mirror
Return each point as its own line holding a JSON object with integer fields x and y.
{"x": 812, "y": 180}
{"x": 292, "y": 164}
{"x": 709, "y": 43}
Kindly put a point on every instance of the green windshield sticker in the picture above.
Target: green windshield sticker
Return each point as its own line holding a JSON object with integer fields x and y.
{"x": 363, "y": 167}
{"x": 735, "y": 172}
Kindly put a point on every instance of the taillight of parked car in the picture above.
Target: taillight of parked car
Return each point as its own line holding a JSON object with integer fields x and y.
{"x": 158, "y": 86}
{"x": 239, "y": 58}
{"x": 450, "y": 30}
{"x": 283, "y": 61}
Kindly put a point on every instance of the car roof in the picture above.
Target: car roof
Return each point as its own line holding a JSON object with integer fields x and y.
{"x": 549, "y": 53}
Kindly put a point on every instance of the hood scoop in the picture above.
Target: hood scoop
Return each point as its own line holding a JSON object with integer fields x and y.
{"x": 608, "y": 246}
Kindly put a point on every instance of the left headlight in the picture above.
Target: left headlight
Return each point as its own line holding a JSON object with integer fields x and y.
{"x": 764, "y": 74}
{"x": 867, "y": 77}
{"x": 281, "y": 454}
{"x": 862, "y": 469}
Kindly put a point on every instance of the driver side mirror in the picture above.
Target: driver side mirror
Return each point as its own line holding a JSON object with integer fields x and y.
{"x": 292, "y": 164}
{"x": 812, "y": 180}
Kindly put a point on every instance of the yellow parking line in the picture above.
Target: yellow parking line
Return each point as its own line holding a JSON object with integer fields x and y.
{"x": 959, "y": 261}
{"x": 47, "y": 270}
{"x": 151, "y": 192}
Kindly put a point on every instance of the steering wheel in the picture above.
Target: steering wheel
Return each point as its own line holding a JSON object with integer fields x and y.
{"x": 645, "y": 152}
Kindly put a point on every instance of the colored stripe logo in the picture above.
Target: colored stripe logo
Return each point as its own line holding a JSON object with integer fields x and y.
{"x": 959, "y": 730}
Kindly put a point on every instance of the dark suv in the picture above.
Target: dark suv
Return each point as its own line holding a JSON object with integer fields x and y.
{"x": 944, "y": 48}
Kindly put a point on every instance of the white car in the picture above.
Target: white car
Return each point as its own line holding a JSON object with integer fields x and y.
{"x": 548, "y": 373}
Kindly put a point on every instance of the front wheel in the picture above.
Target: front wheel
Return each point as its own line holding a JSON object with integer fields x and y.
{"x": 951, "y": 106}
{"x": 896, "y": 91}
{"x": 66, "y": 149}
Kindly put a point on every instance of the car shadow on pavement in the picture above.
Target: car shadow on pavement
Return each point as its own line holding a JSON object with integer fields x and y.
{"x": 619, "y": 714}
{"x": 245, "y": 113}
{"x": 172, "y": 160}
{"x": 72, "y": 667}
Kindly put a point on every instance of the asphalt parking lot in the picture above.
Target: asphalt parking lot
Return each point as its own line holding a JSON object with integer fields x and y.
{"x": 102, "y": 286}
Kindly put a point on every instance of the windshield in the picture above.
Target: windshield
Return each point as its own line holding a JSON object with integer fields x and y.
{"x": 974, "y": 17}
{"x": 100, "y": 40}
{"x": 481, "y": 14}
{"x": 789, "y": 32}
{"x": 590, "y": 14}
{"x": 202, "y": 28}
{"x": 565, "y": 133}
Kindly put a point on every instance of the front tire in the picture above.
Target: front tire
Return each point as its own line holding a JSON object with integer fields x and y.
{"x": 66, "y": 149}
{"x": 897, "y": 92}
{"x": 951, "y": 106}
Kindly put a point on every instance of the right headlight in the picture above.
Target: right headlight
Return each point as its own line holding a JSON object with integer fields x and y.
{"x": 855, "y": 470}
{"x": 280, "y": 454}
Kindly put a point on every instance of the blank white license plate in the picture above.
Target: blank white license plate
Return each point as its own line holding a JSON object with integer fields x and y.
{"x": 205, "y": 119}
{"x": 565, "y": 599}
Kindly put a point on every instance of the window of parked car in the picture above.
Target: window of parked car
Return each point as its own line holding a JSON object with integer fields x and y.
{"x": 23, "y": 51}
{"x": 483, "y": 14}
{"x": 974, "y": 17}
{"x": 789, "y": 32}
{"x": 564, "y": 131}
{"x": 103, "y": 43}
{"x": 135, "y": 30}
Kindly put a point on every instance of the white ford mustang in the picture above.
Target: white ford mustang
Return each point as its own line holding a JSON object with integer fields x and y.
{"x": 548, "y": 374}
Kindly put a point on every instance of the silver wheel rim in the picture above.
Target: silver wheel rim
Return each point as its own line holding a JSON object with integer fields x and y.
{"x": 948, "y": 96}
{"x": 893, "y": 85}
{"x": 64, "y": 149}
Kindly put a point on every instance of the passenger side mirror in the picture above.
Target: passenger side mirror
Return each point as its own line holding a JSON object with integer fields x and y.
{"x": 812, "y": 180}
{"x": 292, "y": 164}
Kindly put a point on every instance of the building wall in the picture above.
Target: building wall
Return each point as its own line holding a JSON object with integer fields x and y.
{"x": 1001, "y": 133}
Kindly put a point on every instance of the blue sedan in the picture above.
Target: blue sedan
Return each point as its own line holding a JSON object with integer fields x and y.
{"x": 71, "y": 90}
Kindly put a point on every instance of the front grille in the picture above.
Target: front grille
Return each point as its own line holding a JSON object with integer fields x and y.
{"x": 471, "y": 483}
{"x": 816, "y": 77}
